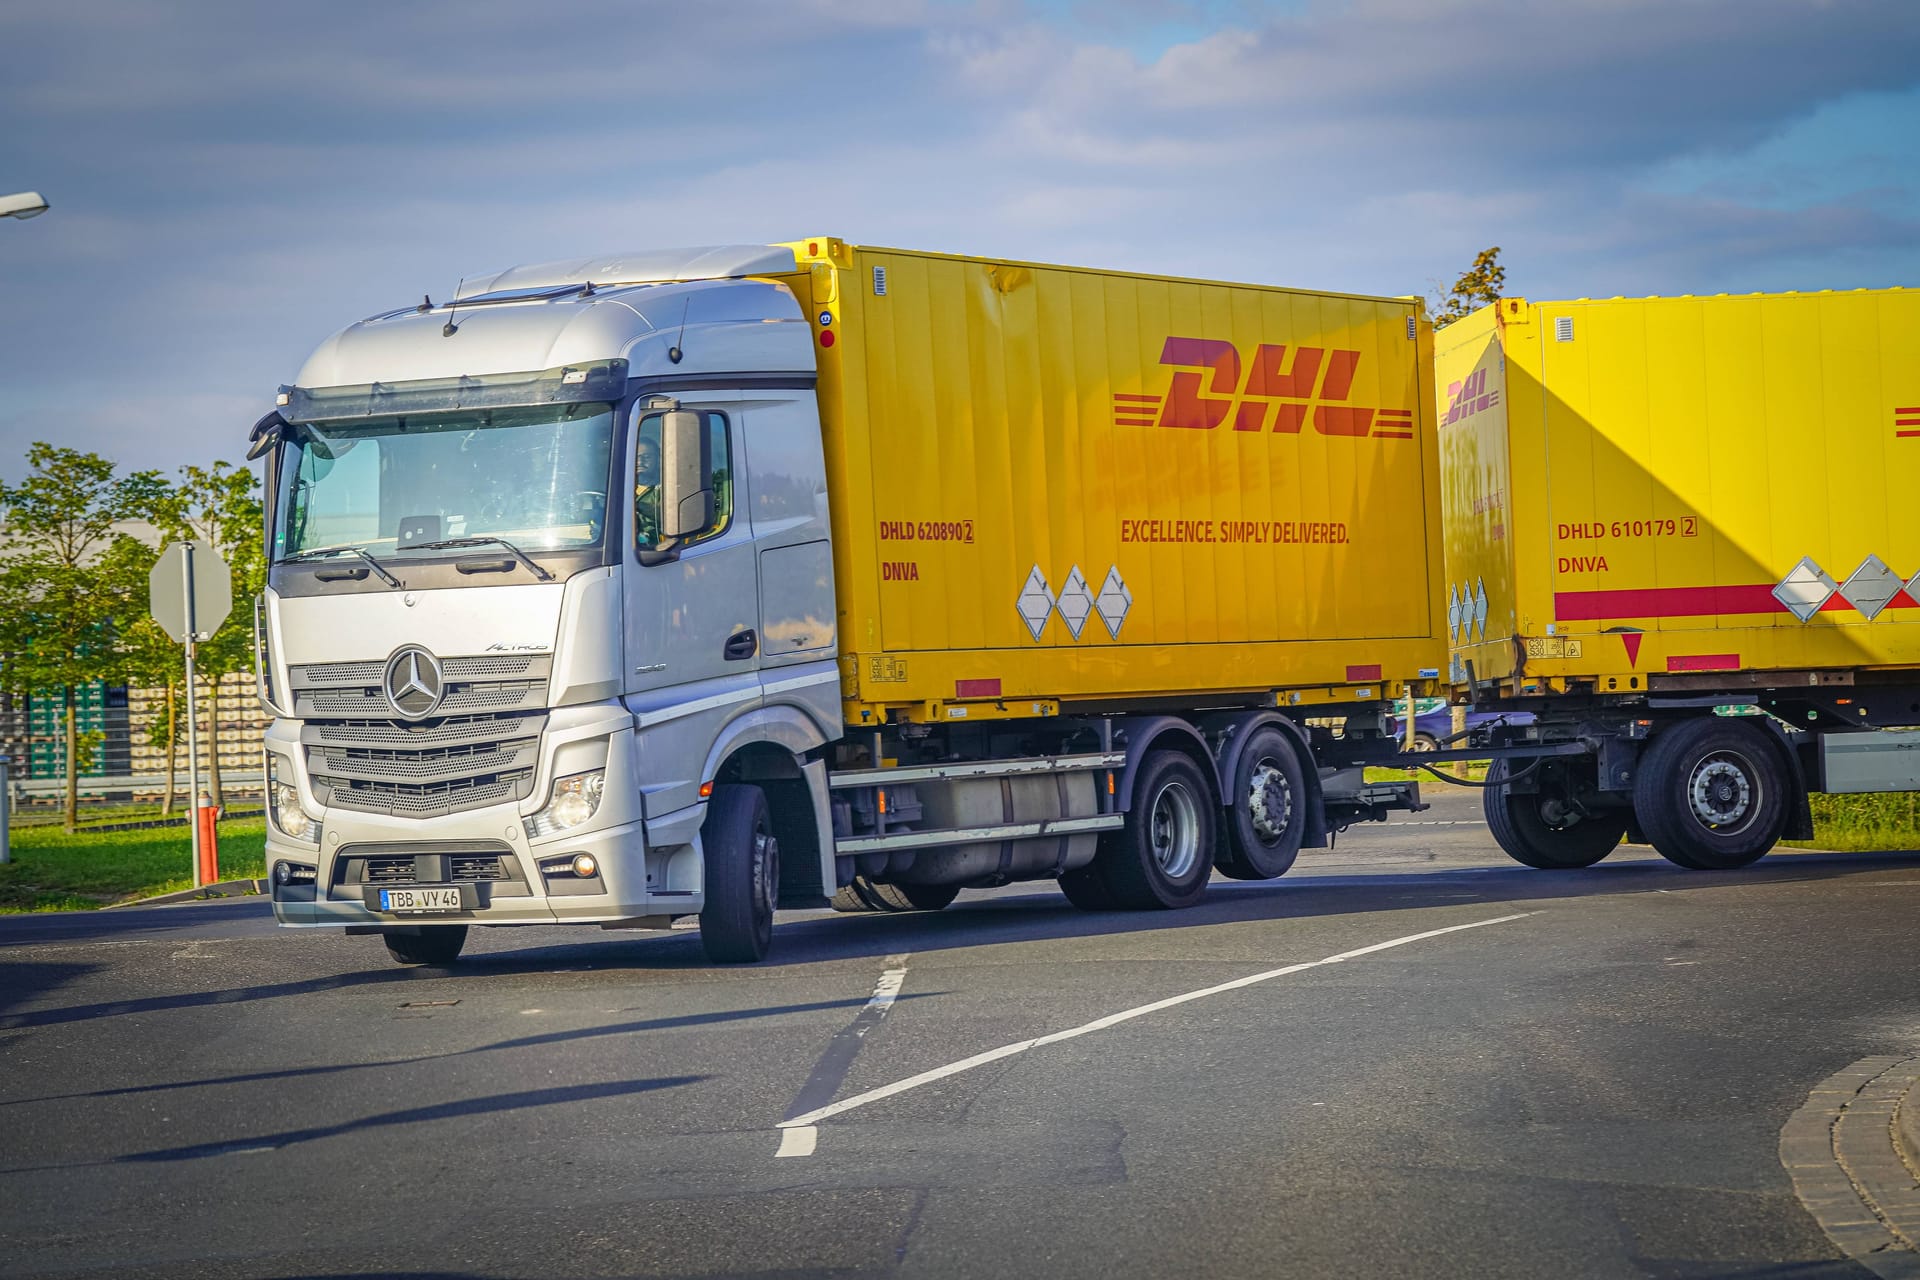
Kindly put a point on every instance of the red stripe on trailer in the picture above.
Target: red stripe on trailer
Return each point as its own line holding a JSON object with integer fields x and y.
{"x": 1684, "y": 602}
{"x": 977, "y": 688}
{"x": 1357, "y": 674}
{"x": 1705, "y": 662}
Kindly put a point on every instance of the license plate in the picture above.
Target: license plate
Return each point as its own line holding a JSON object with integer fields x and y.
{"x": 421, "y": 901}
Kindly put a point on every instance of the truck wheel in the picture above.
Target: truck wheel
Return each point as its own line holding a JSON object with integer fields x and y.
{"x": 1711, "y": 794}
{"x": 1542, "y": 829}
{"x": 1163, "y": 856}
{"x": 1266, "y": 814}
{"x": 865, "y": 895}
{"x": 1086, "y": 890}
{"x": 426, "y": 944}
{"x": 743, "y": 875}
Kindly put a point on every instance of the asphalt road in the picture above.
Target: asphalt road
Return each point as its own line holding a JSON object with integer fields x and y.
{"x": 1594, "y": 1088}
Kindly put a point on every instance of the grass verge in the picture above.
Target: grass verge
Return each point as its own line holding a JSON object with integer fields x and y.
{"x": 54, "y": 871}
{"x": 1865, "y": 823}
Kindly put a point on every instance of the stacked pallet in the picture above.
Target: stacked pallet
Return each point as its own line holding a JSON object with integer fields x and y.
{"x": 236, "y": 709}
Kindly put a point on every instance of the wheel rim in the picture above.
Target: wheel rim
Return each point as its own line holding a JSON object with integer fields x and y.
{"x": 1175, "y": 830}
{"x": 1723, "y": 792}
{"x": 1423, "y": 743}
{"x": 1269, "y": 800}
{"x": 765, "y": 874}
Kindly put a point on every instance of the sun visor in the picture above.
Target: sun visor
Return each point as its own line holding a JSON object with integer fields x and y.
{"x": 604, "y": 380}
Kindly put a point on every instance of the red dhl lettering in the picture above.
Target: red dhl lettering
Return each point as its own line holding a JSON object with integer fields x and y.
{"x": 1466, "y": 398}
{"x": 1283, "y": 390}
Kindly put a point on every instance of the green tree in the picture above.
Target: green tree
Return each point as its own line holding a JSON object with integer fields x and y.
{"x": 1477, "y": 286}
{"x": 59, "y": 626}
{"x": 220, "y": 506}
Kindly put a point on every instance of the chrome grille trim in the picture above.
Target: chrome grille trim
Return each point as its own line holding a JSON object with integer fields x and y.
{"x": 469, "y": 696}
{"x": 426, "y": 800}
{"x": 496, "y": 666}
{"x": 458, "y": 731}
{"x": 444, "y": 765}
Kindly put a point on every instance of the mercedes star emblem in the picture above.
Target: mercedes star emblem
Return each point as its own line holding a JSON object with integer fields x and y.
{"x": 414, "y": 683}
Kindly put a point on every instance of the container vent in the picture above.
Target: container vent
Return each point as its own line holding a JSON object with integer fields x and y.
{"x": 1563, "y": 328}
{"x": 1412, "y": 329}
{"x": 879, "y": 282}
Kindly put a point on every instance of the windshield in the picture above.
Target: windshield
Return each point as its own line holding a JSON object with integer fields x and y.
{"x": 536, "y": 477}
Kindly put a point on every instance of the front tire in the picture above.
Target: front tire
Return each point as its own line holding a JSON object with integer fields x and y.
{"x": 743, "y": 875}
{"x": 1266, "y": 817}
{"x": 1163, "y": 856}
{"x": 435, "y": 944}
{"x": 1544, "y": 829}
{"x": 1711, "y": 794}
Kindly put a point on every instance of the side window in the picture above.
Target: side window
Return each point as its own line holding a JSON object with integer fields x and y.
{"x": 646, "y": 481}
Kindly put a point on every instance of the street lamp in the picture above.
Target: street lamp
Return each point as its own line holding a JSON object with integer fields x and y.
{"x": 23, "y": 204}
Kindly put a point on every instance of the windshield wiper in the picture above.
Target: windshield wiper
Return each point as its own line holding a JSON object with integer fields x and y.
{"x": 486, "y": 540}
{"x": 321, "y": 553}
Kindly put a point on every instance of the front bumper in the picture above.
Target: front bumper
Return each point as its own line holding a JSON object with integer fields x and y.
{"x": 337, "y": 896}
{"x": 490, "y": 849}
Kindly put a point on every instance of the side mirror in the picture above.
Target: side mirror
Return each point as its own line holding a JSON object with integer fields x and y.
{"x": 686, "y": 475}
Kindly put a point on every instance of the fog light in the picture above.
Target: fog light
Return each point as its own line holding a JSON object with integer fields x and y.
{"x": 292, "y": 873}
{"x": 586, "y": 865}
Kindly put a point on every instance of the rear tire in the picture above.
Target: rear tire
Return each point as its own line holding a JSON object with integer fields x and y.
{"x": 1162, "y": 858}
{"x": 1542, "y": 830}
{"x": 865, "y": 895}
{"x": 1266, "y": 814}
{"x": 1711, "y": 794}
{"x": 436, "y": 944}
{"x": 1424, "y": 742}
{"x": 743, "y": 876}
{"x": 1086, "y": 890}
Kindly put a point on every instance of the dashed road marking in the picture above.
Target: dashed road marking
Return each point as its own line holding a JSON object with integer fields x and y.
{"x": 831, "y": 1070}
{"x": 809, "y": 1119}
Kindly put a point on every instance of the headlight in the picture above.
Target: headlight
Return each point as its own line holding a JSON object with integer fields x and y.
{"x": 575, "y": 799}
{"x": 283, "y": 804}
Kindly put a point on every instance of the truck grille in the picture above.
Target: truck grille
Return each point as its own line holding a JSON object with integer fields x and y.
{"x": 480, "y": 750}
{"x": 401, "y": 870}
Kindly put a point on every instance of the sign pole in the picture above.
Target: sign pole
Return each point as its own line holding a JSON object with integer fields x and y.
{"x": 193, "y": 727}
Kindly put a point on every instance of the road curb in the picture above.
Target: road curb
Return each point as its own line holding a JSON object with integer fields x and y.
{"x": 225, "y": 889}
{"x": 1849, "y": 1151}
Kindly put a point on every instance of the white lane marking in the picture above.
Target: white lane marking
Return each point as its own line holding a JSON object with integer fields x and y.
{"x": 796, "y": 1142}
{"x": 887, "y": 990}
{"x": 814, "y": 1117}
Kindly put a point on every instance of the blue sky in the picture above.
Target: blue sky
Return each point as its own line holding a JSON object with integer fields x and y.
{"x": 232, "y": 181}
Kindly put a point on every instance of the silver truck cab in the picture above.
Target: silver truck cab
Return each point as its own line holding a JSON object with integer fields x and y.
{"x": 542, "y": 561}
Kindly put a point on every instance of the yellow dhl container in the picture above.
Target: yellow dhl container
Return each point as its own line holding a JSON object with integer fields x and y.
{"x": 1649, "y": 493}
{"x": 1054, "y": 486}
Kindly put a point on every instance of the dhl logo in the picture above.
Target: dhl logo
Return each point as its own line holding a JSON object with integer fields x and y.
{"x": 1280, "y": 392}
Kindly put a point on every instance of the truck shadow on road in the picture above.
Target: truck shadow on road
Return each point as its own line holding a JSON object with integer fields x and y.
{"x": 1043, "y": 914}
{"x": 803, "y": 940}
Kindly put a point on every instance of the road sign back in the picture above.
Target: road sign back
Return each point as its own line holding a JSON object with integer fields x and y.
{"x": 212, "y": 590}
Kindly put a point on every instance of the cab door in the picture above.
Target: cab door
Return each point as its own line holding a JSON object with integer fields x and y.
{"x": 693, "y": 621}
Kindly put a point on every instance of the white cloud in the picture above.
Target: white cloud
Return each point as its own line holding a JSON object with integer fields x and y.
{"x": 231, "y": 182}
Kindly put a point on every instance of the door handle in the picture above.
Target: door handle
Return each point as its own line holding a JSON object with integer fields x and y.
{"x": 740, "y": 646}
